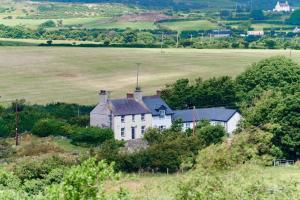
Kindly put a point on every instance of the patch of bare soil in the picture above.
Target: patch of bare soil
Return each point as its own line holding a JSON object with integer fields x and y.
{"x": 142, "y": 17}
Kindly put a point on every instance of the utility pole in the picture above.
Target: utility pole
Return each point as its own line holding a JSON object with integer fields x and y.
{"x": 194, "y": 121}
{"x": 17, "y": 123}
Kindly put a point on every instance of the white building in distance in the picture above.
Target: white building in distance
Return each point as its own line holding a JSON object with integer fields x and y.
{"x": 283, "y": 7}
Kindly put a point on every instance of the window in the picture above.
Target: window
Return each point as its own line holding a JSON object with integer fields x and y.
{"x": 122, "y": 132}
{"x": 187, "y": 125}
{"x": 123, "y": 119}
{"x": 162, "y": 113}
{"x": 162, "y": 128}
{"x": 133, "y": 118}
{"x": 143, "y": 117}
{"x": 143, "y": 130}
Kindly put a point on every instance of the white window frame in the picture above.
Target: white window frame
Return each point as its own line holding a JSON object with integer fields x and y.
{"x": 143, "y": 128}
{"x": 122, "y": 132}
{"x": 143, "y": 117}
{"x": 123, "y": 119}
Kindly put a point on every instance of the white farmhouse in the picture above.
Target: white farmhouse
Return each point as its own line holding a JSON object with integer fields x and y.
{"x": 131, "y": 116}
{"x": 283, "y": 7}
{"x": 228, "y": 118}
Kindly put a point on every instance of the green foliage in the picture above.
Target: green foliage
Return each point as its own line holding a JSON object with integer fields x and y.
{"x": 246, "y": 182}
{"x": 92, "y": 135}
{"x": 257, "y": 15}
{"x": 37, "y": 169}
{"x": 48, "y": 24}
{"x": 84, "y": 181}
{"x": 46, "y": 127}
{"x": 210, "y": 134}
{"x": 8, "y": 180}
{"x": 294, "y": 18}
{"x": 280, "y": 114}
{"x": 267, "y": 74}
{"x": 209, "y": 93}
{"x": 4, "y": 130}
{"x": 247, "y": 146}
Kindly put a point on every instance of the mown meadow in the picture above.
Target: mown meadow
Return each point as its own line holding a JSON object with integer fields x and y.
{"x": 43, "y": 74}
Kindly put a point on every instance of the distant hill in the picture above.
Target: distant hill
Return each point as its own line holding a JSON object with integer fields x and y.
{"x": 192, "y": 4}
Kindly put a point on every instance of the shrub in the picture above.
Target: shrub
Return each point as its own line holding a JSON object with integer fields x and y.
{"x": 46, "y": 127}
{"x": 92, "y": 136}
{"x": 245, "y": 182}
{"x": 210, "y": 134}
{"x": 38, "y": 168}
{"x": 245, "y": 147}
{"x": 8, "y": 180}
{"x": 84, "y": 182}
{"x": 4, "y": 130}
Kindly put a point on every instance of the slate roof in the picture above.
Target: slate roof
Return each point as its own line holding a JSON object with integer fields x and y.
{"x": 212, "y": 114}
{"x": 127, "y": 107}
{"x": 154, "y": 103}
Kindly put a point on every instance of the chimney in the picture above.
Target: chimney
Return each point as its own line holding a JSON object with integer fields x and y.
{"x": 158, "y": 92}
{"x": 130, "y": 96}
{"x": 138, "y": 94}
{"x": 103, "y": 97}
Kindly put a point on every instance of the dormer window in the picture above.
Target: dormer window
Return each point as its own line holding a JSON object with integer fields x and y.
{"x": 162, "y": 113}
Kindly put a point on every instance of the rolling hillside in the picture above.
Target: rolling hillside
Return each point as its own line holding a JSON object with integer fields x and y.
{"x": 192, "y": 4}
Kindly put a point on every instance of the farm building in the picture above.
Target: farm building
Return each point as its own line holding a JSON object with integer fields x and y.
{"x": 228, "y": 118}
{"x": 131, "y": 116}
{"x": 220, "y": 33}
{"x": 255, "y": 33}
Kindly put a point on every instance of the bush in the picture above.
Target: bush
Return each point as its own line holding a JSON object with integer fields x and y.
{"x": 46, "y": 127}
{"x": 4, "y": 130}
{"x": 92, "y": 136}
{"x": 210, "y": 134}
{"x": 245, "y": 182}
{"x": 84, "y": 182}
{"x": 38, "y": 168}
{"x": 245, "y": 147}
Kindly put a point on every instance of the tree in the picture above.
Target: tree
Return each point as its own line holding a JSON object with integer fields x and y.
{"x": 92, "y": 135}
{"x": 46, "y": 127}
{"x": 257, "y": 15}
{"x": 4, "y": 130}
{"x": 210, "y": 134}
{"x": 270, "y": 44}
{"x": 48, "y": 24}
{"x": 294, "y": 18}
{"x": 271, "y": 73}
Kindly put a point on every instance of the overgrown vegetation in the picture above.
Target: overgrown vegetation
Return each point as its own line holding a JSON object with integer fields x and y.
{"x": 266, "y": 94}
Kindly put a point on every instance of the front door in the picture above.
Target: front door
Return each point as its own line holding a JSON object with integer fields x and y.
{"x": 133, "y": 133}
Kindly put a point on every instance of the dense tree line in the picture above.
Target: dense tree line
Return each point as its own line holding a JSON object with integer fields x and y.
{"x": 267, "y": 94}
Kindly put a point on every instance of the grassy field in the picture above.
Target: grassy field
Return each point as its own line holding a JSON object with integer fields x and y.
{"x": 45, "y": 74}
{"x": 190, "y": 25}
{"x": 165, "y": 187}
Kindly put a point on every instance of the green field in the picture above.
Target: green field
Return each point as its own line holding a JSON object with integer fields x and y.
{"x": 190, "y": 25}
{"x": 45, "y": 74}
